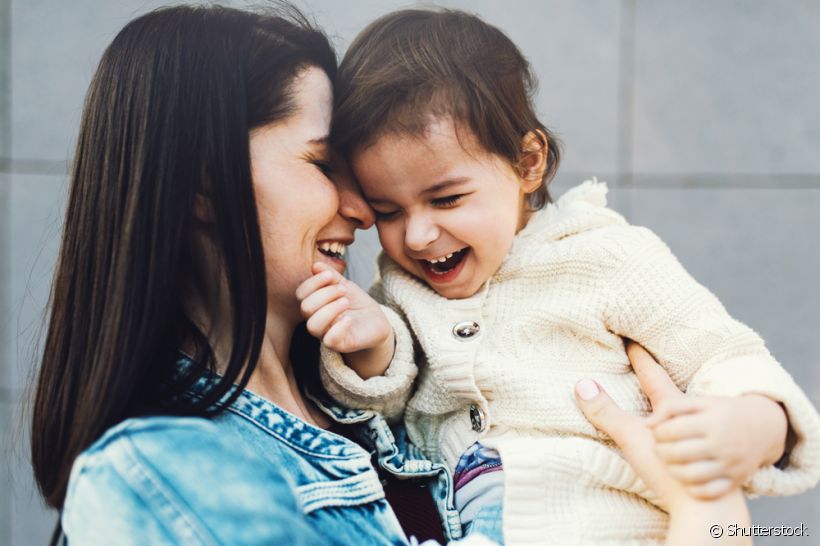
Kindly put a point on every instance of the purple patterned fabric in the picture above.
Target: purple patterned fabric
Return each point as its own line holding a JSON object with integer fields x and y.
{"x": 477, "y": 460}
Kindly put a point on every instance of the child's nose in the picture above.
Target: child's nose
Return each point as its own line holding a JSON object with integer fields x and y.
{"x": 420, "y": 232}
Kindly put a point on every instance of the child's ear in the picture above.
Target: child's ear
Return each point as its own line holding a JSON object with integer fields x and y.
{"x": 533, "y": 162}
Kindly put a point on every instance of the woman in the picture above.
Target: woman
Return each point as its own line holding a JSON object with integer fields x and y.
{"x": 177, "y": 401}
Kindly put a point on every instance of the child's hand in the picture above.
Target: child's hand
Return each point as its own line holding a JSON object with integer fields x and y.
{"x": 347, "y": 320}
{"x": 713, "y": 444}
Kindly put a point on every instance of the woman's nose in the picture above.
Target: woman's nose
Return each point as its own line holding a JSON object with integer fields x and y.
{"x": 420, "y": 232}
{"x": 353, "y": 207}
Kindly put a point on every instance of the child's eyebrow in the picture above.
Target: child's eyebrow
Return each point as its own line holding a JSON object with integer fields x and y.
{"x": 435, "y": 188}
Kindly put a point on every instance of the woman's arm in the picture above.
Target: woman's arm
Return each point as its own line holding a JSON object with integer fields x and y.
{"x": 692, "y": 522}
{"x": 180, "y": 480}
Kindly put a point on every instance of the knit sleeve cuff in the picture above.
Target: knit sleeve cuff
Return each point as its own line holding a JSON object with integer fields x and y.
{"x": 386, "y": 393}
{"x": 799, "y": 470}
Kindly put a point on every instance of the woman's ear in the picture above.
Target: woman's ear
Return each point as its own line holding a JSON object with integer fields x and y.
{"x": 533, "y": 162}
{"x": 203, "y": 209}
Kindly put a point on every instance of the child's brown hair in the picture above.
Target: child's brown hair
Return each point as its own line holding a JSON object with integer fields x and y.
{"x": 412, "y": 66}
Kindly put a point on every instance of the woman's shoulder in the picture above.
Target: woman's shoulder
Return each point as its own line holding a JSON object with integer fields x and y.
{"x": 170, "y": 480}
{"x": 164, "y": 445}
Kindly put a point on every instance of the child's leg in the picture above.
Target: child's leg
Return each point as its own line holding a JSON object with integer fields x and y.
{"x": 479, "y": 492}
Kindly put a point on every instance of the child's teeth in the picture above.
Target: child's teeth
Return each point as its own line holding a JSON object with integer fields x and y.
{"x": 441, "y": 259}
{"x": 334, "y": 248}
{"x": 342, "y": 249}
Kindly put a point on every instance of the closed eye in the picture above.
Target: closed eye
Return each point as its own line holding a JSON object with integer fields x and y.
{"x": 323, "y": 166}
{"x": 385, "y": 216}
{"x": 448, "y": 201}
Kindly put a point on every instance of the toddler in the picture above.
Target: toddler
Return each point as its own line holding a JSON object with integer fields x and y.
{"x": 501, "y": 301}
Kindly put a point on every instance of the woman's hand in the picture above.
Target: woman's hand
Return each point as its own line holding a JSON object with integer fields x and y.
{"x": 632, "y": 433}
{"x": 692, "y": 521}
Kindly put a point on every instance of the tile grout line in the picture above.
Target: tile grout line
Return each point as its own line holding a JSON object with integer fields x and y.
{"x": 703, "y": 180}
{"x": 56, "y": 167}
{"x": 5, "y": 151}
{"x": 626, "y": 97}
{"x": 6, "y": 396}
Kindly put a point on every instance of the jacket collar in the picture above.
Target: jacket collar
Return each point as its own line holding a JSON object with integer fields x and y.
{"x": 283, "y": 424}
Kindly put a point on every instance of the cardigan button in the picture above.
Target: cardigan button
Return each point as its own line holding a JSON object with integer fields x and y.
{"x": 477, "y": 418}
{"x": 466, "y": 330}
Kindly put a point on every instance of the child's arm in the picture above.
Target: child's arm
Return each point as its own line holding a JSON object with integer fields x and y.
{"x": 367, "y": 353}
{"x": 654, "y": 301}
{"x": 347, "y": 320}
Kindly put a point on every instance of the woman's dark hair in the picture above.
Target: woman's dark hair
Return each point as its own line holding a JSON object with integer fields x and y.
{"x": 414, "y": 65}
{"x": 166, "y": 119}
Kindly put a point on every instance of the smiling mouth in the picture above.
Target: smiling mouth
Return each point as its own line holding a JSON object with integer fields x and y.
{"x": 444, "y": 264}
{"x": 333, "y": 250}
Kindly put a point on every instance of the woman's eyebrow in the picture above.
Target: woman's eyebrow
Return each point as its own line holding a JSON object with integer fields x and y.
{"x": 320, "y": 141}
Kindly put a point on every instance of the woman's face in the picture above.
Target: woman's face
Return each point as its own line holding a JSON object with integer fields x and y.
{"x": 303, "y": 217}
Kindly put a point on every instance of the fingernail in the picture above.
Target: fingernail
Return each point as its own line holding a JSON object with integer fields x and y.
{"x": 587, "y": 389}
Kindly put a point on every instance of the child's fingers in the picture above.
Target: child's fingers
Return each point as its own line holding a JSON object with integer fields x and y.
{"x": 319, "y": 267}
{"x": 319, "y": 323}
{"x": 337, "y": 334}
{"x": 698, "y": 472}
{"x": 680, "y": 428}
{"x": 313, "y": 284}
{"x": 320, "y": 298}
{"x": 684, "y": 451}
{"x": 672, "y": 408}
{"x": 711, "y": 489}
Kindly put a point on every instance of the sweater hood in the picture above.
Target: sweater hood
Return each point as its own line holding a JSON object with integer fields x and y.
{"x": 580, "y": 209}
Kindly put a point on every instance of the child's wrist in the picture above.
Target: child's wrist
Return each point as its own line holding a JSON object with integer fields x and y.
{"x": 775, "y": 424}
{"x": 373, "y": 361}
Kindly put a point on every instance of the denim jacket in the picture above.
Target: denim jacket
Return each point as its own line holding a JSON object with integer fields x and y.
{"x": 254, "y": 474}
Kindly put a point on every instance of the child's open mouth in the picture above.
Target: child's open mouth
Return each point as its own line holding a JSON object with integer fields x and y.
{"x": 444, "y": 268}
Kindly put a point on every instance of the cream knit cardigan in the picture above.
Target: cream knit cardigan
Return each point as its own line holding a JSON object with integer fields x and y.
{"x": 576, "y": 280}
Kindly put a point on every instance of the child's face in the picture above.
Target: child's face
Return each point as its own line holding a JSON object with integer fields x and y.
{"x": 436, "y": 197}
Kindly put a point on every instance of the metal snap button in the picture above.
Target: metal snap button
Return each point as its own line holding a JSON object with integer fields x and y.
{"x": 477, "y": 418}
{"x": 466, "y": 330}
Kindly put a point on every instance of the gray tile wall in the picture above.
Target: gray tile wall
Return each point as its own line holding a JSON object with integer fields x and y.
{"x": 702, "y": 115}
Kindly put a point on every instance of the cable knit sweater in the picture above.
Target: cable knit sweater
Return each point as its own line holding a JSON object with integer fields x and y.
{"x": 576, "y": 280}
